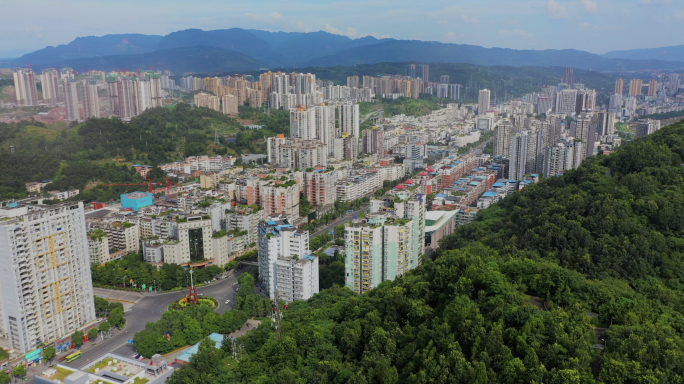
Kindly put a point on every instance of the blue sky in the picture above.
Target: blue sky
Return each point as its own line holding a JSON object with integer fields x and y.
{"x": 596, "y": 26}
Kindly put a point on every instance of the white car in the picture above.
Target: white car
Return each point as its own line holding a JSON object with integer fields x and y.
{"x": 227, "y": 301}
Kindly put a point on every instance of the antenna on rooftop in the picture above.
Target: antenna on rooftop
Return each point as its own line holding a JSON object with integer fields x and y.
{"x": 216, "y": 137}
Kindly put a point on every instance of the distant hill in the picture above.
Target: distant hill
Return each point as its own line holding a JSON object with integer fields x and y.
{"x": 179, "y": 60}
{"x": 322, "y": 49}
{"x": 298, "y": 47}
{"x": 234, "y": 39}
{"x": 674, "y": 53}
{"x": 91, "y": 46}
{"x": 430, "y": 51}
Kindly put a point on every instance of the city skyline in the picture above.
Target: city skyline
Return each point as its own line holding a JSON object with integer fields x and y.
{"x": 533, "y": 24}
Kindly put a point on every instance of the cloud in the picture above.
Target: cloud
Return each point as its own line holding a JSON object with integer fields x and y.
{"x": 584, "y": 26}
{"x": 625, "y": 12}
{"x": 654, "y": 2}
{"x": 556, "y": 10}
{"x": 442, "y": 22}
{"x": 379, "y": 36}
{"x": 353, "y": 33}
{"x": 590, "y": 6}
{"x": 679, "y": 15}
{"x": 469, "y": 20}
{"x": 514, "y": 32}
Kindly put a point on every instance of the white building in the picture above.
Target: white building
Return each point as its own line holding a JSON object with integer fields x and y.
{"x": 278, "y": 239}
{"x": 45, "y": 279}
{"x": 484, "y": 102}
{"x": 296, "y": 278}
{"x": 98, "y": 246}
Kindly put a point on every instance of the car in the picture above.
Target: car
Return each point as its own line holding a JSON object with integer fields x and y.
{"x": 135, "y": 355}
{"x": 237, "y": 289}
{"x": 227, "y": 301}
{"x": 200, "y": 294}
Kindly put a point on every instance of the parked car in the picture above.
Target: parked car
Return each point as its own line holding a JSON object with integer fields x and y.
{"x": 227, "y": 301}
{"x": 200, "y": 294}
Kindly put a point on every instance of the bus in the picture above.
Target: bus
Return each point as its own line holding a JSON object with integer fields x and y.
{"x": 74, "y": 356}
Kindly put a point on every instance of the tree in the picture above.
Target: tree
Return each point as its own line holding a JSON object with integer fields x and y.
{"x": 19, "y": 371}
{"x": 4, "y": 378}
{"x": 49, "y": 353}
{"x": 116, "y": 317}
{"x": 105, "y": 326}
{"x": 92, "y": 333}
{"x": 77, "y": 338}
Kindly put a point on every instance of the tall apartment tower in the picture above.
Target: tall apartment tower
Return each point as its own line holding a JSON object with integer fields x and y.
{"x": 156, "y": 95}
{"x": 517, "y": 165}
{"x": 444, "y": 79}
{"x": 91, "y": 102}
{"x": 425, "y": 73}
{"x": 25, "y": 87}
{"x": 113, "y": 91}
{"x": 503, "y": 139}
{"x": 619, "y": 87}
{"x": 70, "y": 87}
{"x": 636, "y": 87}
{"x": 554, "y": 160}
{"x": 296, "y": 278}
{"x": 568, "y": 78}
{"x": 303, "y": 123}
{"x": 46, "y": 286}
{"x": 653, "y": 88}
{"x": 49, "y": 80}
{"x": 410, "y": 71}
{"x": 278, "y": 240}
{"x": 349, "y": 120}
{"x": 325, "y": 125}
{"x": 484, "y": 102}
{"x": 353, "y": 81}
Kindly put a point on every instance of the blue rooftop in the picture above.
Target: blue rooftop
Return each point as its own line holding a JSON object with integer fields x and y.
{"x": 185, "y": 356}
{"x": 498, "y": 184}
{"x": 489, "y": 194}
{"x": 271, "y": 222}
{"x": 441, "y": 195}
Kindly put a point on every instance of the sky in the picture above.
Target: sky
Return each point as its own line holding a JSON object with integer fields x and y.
{"x": 597, "y": 26}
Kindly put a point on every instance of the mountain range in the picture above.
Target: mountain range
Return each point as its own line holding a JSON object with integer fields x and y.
{"x": 227, "y": 50}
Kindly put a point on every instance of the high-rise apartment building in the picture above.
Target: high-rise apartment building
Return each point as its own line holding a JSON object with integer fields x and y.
{"x": 49, "y": 81}
{"x": 424, "y": 73}
{"x": 503, "y": 139}
{"x": 70, "y": 87}
{"x": 45, "y": 279}
{"x": 208, "y": 101}
{"x": 636, "y": 87}
{"x": 411, "y": 70}
{"x": 303, "y": 123}
{"x": 25, "y": 87}
{"x": 229, "y": 105}
{"x": 277, "y": 239}
{"x": 87, "y": 91}
{"x": 566, "y": 102}
{"x": 653, "y": 88}
{"x": 484, "y": 102}
{"x": 156, "y": 96}
{"x": 619, "y": 87}
{"x": 646, "y": 127}
{"x": 444, "y": 79}
{"x": 554, "y": 160}
{"x": 280, "y": 198}
{"x": 518, "y": 158}
{"x": 319, "y": 187}
{"x": 325, "y": 125}
{"x": 296, "y": 278}
{"x": 605, "y": 123}
{"x": 568, "y": 78}
{"x": 386, "y": 245}
{"x": 349, "y": 120}
{"x": 353, "y": 81}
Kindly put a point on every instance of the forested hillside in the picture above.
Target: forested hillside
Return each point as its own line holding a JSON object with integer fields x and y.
{"x": 577, "y": 279}
{"x": 103, "y": 150}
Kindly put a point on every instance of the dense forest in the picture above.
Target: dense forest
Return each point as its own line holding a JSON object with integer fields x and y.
{"x": 577, "y": 279}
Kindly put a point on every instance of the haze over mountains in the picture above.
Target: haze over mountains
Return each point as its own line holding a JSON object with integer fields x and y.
{"x": 226, "y": 50}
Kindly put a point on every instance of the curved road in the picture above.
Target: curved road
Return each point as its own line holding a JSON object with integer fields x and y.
{"x": 150, "y": 309}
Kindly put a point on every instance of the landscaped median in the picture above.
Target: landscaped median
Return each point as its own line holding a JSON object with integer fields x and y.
{"x": 201, "y": 301}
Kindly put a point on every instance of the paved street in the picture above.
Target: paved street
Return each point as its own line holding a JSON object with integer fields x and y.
{"x": 149, "y": 308}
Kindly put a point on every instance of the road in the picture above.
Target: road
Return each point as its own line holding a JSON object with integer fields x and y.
{"x": 331, "y": 226}
{"x": 150, "y": 309}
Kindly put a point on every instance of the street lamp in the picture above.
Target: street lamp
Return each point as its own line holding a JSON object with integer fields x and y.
{"x": 124, "y": 281}
{"x": 155, "y": 286}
